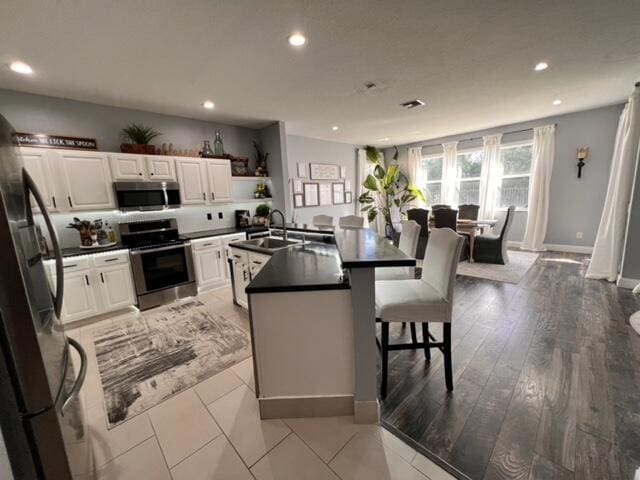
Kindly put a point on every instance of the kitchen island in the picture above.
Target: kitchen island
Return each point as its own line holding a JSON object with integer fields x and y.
{"x": 312, "y": 312}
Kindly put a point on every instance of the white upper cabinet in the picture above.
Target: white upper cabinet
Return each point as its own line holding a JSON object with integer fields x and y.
{"x": 161, "y": 168}
{"x": 190, "y": 177}
{"x": 36, "y": 162}
{"x": 125, "y": 166}
{"x": 87, "y": 179}
{"x": 219, "y": 177}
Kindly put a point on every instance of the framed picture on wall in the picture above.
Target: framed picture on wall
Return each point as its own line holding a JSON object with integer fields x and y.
{"x": 302, "y": 170}
{"x": 325, "y": 194}
{"x": 347, "y": 185}
{"x": 343, "y": 172}
{"x": 324, "y": 171}
{"x": 338, "y": 193}
{"x": 297, "y": 185}
{"x": 348, "y": 197}
{"x": 311, "y": 195}
{"x": 298, "y": 200}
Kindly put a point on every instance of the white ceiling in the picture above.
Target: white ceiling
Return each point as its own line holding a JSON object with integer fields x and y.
{"x": 472, "y": 62}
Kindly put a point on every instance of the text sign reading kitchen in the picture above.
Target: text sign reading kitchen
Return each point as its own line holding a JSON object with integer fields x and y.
{"x": 55, "y": 141}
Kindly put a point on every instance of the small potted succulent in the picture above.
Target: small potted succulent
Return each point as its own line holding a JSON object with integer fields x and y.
{"x": 262, "y": 191}
{"x": 262, "y": 214}
{"x": 137, "y": 139}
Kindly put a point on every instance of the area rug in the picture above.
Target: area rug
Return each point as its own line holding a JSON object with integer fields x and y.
{"x": 147, "y": 358}
{"x": 518, "y": 266}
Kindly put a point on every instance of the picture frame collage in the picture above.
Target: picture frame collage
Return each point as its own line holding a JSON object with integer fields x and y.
{"x": 321, "y": 184}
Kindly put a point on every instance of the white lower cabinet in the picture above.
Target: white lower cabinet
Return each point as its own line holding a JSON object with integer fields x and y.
{"x": 210, "y": 260}
{"x": 246, "y": 266}
{"x": 95, "y": 284}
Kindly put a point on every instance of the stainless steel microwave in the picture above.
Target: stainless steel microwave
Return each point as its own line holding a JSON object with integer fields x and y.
{"x": 145, "y": 196}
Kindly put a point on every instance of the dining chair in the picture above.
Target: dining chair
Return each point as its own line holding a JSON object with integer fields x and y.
{"x": 421, "y": 216}
{"x": 323, "y": 221}
{"x": 491, "y": 248}
{"x": 439, "y": 206}
{"x": 352, "y": 221}
{"x": 425, "y": 300}
{"x": 408, "y": 244}
{"x": 445, "y": 218}
{"x": 468, "y": 212}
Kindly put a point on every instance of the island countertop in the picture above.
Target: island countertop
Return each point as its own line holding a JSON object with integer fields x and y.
{"x": 363, "y": 248}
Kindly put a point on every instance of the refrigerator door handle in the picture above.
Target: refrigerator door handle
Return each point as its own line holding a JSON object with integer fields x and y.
{"x": 31, "y": 186}
{"x": 77, "y": 385}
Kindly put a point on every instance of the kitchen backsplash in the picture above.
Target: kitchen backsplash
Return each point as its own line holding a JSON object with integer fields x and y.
{"x": 190, "y": 219}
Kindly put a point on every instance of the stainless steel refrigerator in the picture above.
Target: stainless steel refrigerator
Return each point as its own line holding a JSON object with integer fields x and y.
{"x": 41, "y": 369}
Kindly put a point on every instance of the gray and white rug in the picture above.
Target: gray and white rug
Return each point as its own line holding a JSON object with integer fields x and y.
{"x": 145, "y": 359}
{"x": 518, "y": 266}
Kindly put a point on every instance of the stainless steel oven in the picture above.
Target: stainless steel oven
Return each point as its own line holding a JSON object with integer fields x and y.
{"x": 162, "y": 262}
{"x": 144, "y": 196}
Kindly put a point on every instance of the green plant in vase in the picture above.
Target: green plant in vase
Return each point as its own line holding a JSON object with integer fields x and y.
{"x": 262, "y": 191}
{"x": 137, "y": 138}
{"x": 262, "y": 213}
{"x": 385, "y": 189}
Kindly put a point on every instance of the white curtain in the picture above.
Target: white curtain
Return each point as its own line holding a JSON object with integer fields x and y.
{"x": 607, "y": 251}
{"x": 450, "y": 151}
{"x": 539, "y": 187}
{"x": 490, "y": 176}
{"x": 414, "y": 168}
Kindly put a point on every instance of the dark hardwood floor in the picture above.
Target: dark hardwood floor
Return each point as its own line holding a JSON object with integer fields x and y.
{"x": 546, "y": 379}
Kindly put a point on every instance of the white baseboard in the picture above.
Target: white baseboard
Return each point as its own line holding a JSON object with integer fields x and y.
{"x": 554, "y": 247}
{"x": 629, "y": 283}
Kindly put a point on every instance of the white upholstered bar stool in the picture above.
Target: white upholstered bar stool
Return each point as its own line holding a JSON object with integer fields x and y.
{"x": 351, "y": 221}
{"x": 408, "y": 244}
{"x": 429, "y": 299}
{"x": 323, "y": 221}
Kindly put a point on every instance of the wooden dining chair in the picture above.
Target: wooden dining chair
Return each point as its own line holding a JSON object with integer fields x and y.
{"x": 490, "y": 248}
{"x": 468, "y": 212}
{"x": 421, "y": 216}
{"x": 446, "y": 218}
{"x": 424, "y": 301}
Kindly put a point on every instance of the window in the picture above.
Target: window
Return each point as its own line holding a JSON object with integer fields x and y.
{"x": 468, "y": 167}
{"x": 432, "y": 170}
{"x": 516, "y": 165}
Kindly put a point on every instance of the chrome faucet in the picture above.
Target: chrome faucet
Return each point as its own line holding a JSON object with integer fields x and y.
{"x": 284, "y": 224}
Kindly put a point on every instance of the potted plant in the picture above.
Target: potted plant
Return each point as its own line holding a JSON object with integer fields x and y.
{"x": 137, "y": 138}
{"x": 262, "y": 191}
{"x": 387, "y": 190}
{"x": 261, "y": 161}
{"x": 262, "y": 213}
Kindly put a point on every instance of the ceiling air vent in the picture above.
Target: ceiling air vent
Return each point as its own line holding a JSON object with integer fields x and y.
{"x": 412, "y": 104}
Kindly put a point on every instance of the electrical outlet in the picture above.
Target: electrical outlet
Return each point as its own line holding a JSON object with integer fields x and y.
{"x": 578, "y": 235}
{"x": 209, "y": 217}
{"x": 220, "y": 216}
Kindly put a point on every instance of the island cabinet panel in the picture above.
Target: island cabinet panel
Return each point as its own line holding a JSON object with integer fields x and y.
{"x": 209, "y": 262}
{"x": 36, "y": 162}
{"x": 303, "y": 352}
{"x": 191, "y": 180}
{"x": 87, "y": 179}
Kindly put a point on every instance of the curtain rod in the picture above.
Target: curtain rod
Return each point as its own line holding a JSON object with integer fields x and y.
{"x": 480, "y": 137}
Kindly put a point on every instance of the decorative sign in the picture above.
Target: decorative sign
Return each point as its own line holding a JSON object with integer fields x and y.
{"x": 343, "y": 172}
{"x": 302, "y": 170}
{"x": 347, "y": 197}
{"x": 324, "y": 171}
{"x": 297, "y": 185}
{"x": 55, "y": 141}
{"x": 338, "y": 193}
{"x": 325, "y": 194}
{"x": 298, "y": 200}
{"x": 310, "y": 194}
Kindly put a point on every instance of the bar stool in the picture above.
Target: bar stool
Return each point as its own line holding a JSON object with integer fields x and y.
{"x": 429, "y": 299}
{"x": 351, "y": 221}
{"x": 323, "y": 221}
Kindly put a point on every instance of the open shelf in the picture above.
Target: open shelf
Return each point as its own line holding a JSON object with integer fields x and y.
{"x": 252, "y": 200}
{"x": 249, "y": 179}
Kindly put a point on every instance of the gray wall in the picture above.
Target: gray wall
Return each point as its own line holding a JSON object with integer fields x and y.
{"x": 42, "y": 114}
{"x": 311, "y": 150}
{"x": 575, "y": 204}
{"x": 631, "y": 260}
{"x": 272, "y": 139}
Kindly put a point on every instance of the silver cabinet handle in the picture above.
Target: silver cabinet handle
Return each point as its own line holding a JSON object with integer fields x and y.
{"x": 102, "y": 277}
{"x": 218, "y": 253}
{"x": 213, "y": 197}
{"x": 86, "y": 279}
{"x": 77, "y": 385}
{"x": 70, "y": 202}
{"x": 207, "y": 244}
{"x": 111, "y": 259}
{"x": 53, "y": 199}
{"x": 204, "y": 196}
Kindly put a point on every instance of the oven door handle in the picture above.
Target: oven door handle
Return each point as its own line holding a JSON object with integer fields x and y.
{"x": 160, "y": 249}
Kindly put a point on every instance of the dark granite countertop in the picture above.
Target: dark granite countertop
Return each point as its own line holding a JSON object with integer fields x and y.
{"x": 76, "y": 251}
{"x": 363, "y": 248}
{"x": 221, "y": 231}
{"x": 307, "y": 227}
{"x": 312, "y": 266}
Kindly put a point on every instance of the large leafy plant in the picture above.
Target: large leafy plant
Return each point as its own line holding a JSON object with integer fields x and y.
{"x": 138, "y": 134}
{"x": 386, "y": 188}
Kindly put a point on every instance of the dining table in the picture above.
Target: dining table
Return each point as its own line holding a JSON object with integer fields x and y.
{"x": 471, "y": 228}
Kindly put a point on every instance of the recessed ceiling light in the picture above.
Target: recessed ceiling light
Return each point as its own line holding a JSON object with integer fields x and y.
{"x": 335, "y": 127}
{"x": 557, "y": 101}
{"x": 297, "y": 39}
{"x": 412, "y": 104}
{"x": 385, "y": 139}
{"x": 21, "y": 67}
{"x": 208, "y": 104}
{"x": 541, "y": 66}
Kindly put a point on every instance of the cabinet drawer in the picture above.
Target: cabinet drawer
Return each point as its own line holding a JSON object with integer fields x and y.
{"x": 74, "y": 264}
{"x": 256, "y": 262}
{"x": 204, "y": 243}
{"x": 238, "y": 256}
{"x": 236, "y": 237}
{"x": 107, "y": 259}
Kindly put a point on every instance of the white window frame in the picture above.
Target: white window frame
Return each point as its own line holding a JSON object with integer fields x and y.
{"x": 523, "y": 143}
{"x": 441, "y": 181}
{"x": 478, "y": 179}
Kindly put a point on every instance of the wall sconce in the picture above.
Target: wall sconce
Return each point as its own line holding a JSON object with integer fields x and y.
{"x": 583, "y": 153}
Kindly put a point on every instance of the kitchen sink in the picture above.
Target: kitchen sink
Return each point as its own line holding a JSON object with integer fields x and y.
{"x": 270, "y": 244}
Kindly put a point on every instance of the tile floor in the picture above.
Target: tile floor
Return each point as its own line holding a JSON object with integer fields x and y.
{"x": 213, "y": 431}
